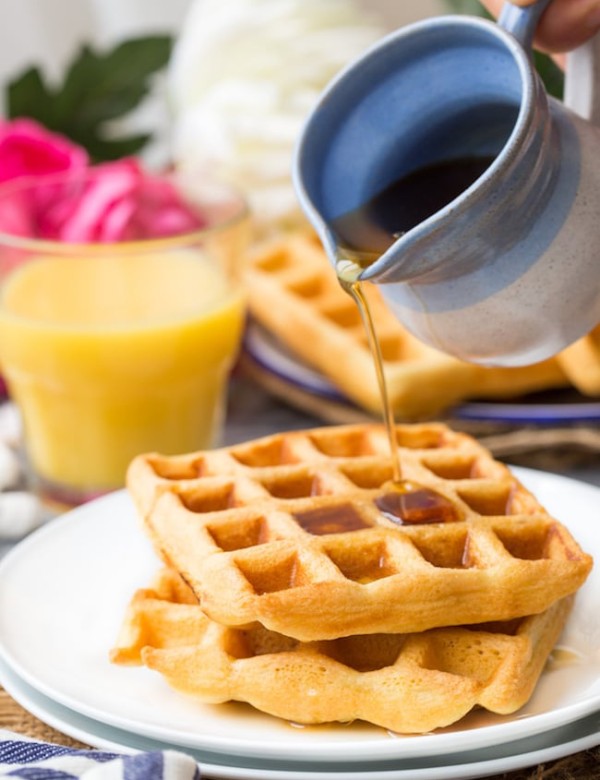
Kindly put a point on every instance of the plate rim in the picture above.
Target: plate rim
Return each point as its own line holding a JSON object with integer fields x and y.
{"x": 517, "y": 760}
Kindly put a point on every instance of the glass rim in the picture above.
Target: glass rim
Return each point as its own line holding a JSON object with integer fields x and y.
{"x": 189, "y": 238}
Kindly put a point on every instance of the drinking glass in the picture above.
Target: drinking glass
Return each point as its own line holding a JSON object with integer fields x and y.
{"x": 114, "y": 349}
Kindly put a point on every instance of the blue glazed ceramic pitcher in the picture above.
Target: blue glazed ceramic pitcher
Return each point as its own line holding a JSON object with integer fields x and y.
{"x": 508, "y": 271}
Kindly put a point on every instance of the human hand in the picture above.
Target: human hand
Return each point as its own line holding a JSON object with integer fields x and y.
{"x": 564, "y": 25}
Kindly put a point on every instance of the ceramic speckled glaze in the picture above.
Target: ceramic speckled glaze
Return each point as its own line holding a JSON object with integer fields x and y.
{"x": 508, "y": 273}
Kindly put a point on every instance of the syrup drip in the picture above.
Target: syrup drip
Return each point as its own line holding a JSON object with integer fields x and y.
{"x": 562, "y": 656}
{"x": 339, "y": 519}
{"x": 348, "y": 270}
{"x": 412, "y": 504}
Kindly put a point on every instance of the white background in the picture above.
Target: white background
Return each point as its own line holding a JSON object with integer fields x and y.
{"x": 48, "y": 32}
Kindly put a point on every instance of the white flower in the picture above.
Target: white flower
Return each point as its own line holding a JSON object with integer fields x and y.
{"x": 243, "y": 79}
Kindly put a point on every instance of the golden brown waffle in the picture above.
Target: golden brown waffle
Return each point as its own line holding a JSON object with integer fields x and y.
{"x": 285, "y": 531}
{"x": 294, "y": 293}
{"x": 405, "y": 683}
{"x": 581, "y": 363}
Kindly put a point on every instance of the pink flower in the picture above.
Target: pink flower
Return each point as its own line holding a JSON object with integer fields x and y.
{"x": 112, "y": 202}
{"x": 118, "y": 202}
{"x": 28, "y": 149}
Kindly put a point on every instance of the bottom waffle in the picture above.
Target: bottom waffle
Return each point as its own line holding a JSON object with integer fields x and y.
{"x": 407, "y": 683}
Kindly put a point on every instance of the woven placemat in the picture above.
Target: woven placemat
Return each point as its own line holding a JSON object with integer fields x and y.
{"x": 581, "y": 766}
{"x": 14, "y": 718}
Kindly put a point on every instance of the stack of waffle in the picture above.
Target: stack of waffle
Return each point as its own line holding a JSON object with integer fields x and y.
{"x": 300, "y": 578}
{"x": 294, "y": 294}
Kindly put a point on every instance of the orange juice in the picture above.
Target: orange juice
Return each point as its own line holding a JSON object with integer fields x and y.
{"x": 112, "y": 356}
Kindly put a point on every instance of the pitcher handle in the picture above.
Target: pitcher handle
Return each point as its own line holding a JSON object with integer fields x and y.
{"x": 521, "y": 22}
{"x": 582, "y": 78}
{"x": 582, "y": 81}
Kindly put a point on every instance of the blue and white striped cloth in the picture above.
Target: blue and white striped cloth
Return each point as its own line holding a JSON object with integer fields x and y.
{"x": 30, "y": 760}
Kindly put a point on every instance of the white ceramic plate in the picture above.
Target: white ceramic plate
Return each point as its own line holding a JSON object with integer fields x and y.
{"x": 63, "y": 592}
{"x": 529, "y": 752}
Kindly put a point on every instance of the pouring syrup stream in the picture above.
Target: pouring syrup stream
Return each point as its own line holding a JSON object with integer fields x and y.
{"x": 406, "y": 501}
{"x": 348, "y": 270}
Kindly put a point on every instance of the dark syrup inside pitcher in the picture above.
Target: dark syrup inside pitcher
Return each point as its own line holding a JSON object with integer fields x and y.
{"x": 375, "y": 225}
{"x": 423, "y": 174}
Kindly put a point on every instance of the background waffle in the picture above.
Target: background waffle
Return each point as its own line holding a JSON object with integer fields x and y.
{"x": 581, "y": 363}
{"x": 405, "y": 683}
{"x": 234, "y": 523}
{"x": 295, "y": 294}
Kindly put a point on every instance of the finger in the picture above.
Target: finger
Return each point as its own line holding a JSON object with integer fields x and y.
{"x": 494, "y": 6}
{"x": 565, "y": 24}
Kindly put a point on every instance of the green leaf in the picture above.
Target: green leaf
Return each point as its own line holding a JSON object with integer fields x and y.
{"x": 30, "y": 90}
{"x": 114, "y": 149}
{"x": 471, "y": 7}
{"x": 552, "y": 76}
{"x": 550, "y": 73}
{"x": 97, "y": 89}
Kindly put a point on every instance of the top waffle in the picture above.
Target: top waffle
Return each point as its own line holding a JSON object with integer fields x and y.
{"x": 300, "y": 532}
{"x": 294, "y": 293}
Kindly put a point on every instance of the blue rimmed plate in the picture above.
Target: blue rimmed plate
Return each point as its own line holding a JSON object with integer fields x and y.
{"x": 555, "y": 407}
